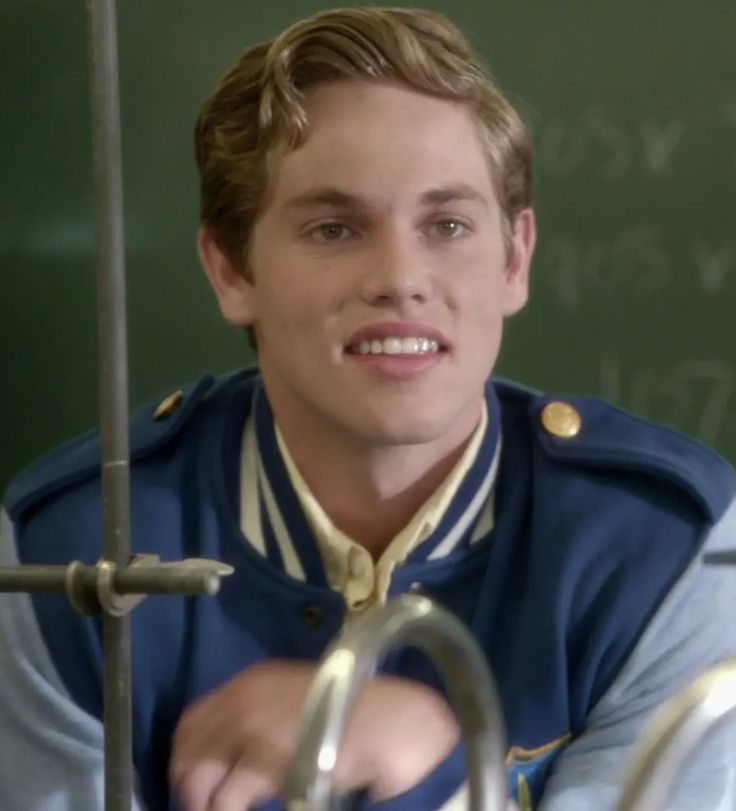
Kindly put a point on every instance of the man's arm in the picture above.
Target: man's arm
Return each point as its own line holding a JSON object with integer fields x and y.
{"x": 52, "y": 751}
{"x": 694, "y": 629}
{"x": 233, "y": 746}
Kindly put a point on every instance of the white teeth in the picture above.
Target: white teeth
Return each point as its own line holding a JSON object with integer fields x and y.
{"x": 397, "y": 346}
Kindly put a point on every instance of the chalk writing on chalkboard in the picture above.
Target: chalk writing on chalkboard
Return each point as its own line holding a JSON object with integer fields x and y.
{"x": 693, "y": 395}
{"x": 595, "y": 140}
{"x": 633, "y": 261}
{"x": 715, "y": 264}
{"x": 637, "y": 262}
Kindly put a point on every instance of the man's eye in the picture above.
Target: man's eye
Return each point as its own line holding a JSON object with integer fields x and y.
{"x": 448, "y": 228}
{"x": 330, "y": 232}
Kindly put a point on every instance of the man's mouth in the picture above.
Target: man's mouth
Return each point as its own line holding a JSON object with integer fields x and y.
{"x": 395, "y": 345}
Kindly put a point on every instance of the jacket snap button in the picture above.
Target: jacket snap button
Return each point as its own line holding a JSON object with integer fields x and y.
{"x": 314, "y": 616}
{"x": 561, "y": 420}
{"x": 168, "y": 406}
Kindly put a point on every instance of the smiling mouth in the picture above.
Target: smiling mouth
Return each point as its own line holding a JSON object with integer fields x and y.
{"x": 397, "y": 346}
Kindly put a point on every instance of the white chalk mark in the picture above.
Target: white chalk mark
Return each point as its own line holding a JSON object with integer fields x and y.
{"x": 694, "y": 395}
{"x": 642, "y": 264}
{"x": 662, "y": 397}
{"x": 713, "y": 264}
{"x": 611, "y": 388}
{"x": 616, "y": 144}
{"x": 660, "y": 143}
{"x": 634, "y": 262}
{"x": 564, "y": 263}
{"x": 720, "y": 383}
{"x": 562, "y": 149}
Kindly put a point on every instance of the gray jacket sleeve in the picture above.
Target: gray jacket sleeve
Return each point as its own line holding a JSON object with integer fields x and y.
{"x": 694, "y": 629}
{"x": 52, "y": 751}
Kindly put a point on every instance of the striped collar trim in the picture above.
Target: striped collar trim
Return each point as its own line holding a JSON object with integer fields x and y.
{"x": 274, "y": 523}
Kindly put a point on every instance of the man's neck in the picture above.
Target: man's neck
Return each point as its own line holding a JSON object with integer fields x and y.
{"x": 371, "y": 494}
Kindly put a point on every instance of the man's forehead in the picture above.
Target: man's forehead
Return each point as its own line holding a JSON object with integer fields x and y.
{"x": 348, "y": 117}
{"x": 364, "y": 144}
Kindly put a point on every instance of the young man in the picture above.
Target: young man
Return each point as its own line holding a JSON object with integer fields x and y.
{"x": 366, "y": 213}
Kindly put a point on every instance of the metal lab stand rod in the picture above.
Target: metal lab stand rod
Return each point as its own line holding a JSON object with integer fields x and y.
{"x": 188, "y": 577}
{"x": 117, "y": 583}
{"x": 105, "y": 588}
{"x": 162, "y": 578}
{"x": 113, "y": 389}
{"x": 352, "y": 660}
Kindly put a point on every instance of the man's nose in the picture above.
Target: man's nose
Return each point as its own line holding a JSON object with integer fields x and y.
{"x": 396, "y": 274}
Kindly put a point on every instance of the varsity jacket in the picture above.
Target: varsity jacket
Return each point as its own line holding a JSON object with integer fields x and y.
{"x": 574, "y": 590}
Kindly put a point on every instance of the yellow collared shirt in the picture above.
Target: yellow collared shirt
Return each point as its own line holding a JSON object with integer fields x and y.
{"x": 349, "y": 567}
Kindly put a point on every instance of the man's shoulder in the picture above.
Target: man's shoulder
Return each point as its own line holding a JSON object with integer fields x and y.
{"x": 158, "y": 426}
{"x": 580, "y": 435}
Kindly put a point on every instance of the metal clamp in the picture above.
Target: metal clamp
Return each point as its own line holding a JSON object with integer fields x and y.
{"x": 117, "y": 591}
{"x": 111, "y": 601}
{"x": 77, "y": 592}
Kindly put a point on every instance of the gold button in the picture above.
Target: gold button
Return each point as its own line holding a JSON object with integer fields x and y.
{"x": 561, "y": 420}
{"x": 168, "y": 406}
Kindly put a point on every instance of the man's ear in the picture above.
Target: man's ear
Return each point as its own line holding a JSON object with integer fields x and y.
{"x": 516, "y": 274}
{"x": 235, "y": 294}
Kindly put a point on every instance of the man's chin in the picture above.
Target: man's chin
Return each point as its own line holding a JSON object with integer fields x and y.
{"x": 406, "y": 429}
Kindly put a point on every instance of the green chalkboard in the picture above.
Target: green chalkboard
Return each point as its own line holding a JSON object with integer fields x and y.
{"x": 633, "y": 109}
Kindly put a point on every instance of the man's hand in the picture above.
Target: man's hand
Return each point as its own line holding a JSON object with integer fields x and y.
{"x": 233, "y": 747}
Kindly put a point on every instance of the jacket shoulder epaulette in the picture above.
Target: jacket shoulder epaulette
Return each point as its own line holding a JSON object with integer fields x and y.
{"x": 611, "y": 438}
{"x": 74, "y": 462}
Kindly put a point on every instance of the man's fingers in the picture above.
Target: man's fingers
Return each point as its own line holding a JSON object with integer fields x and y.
{"x": 199, "y": 743}
{"x": 242, "y": 789}
{"x": 196, "y": 784}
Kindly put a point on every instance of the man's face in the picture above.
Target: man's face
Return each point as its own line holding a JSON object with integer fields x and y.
{"x": 380, "y": 274}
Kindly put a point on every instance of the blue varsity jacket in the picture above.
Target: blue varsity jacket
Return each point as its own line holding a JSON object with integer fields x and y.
{"x": 590, "y": 532}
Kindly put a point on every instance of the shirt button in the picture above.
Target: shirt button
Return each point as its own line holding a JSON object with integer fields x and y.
{"x": 417, "y": 588}
{"x": 314, "y": 616}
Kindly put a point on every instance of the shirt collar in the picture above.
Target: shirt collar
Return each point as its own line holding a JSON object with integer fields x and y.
{"x": 283, "y": 520}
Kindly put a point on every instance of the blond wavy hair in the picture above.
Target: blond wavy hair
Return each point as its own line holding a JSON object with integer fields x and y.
{"x": 258, "y": 105}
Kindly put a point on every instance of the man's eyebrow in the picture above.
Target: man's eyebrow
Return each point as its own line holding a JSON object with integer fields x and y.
{"x": 451, "y": 194}
{"x": 326, "y": 196}
{"x": 333, "y": 197}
